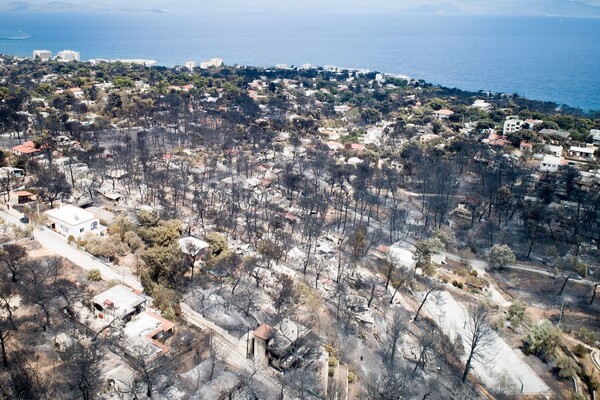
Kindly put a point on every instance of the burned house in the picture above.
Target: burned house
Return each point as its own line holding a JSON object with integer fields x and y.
{"x": 283, "y": 346}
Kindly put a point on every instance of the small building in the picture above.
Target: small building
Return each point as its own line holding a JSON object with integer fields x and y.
{"x": 551, "y": 163}
{"x": 342, "y": 109}
{"x": 26, "y": 149}
{"x": 224, "y": 386}
{"x": 73, "y": 221}
{"x": 193, "y": 247}
{"x": 24, "y": 197}
{"x": 554, "y": 150}
{"x": 512, "y": 124}
{"x": 586, "y": 153}
{"x": 190, "y": 65}
{"x": 280, "y": 346}
{"x": 595, "y": 133}
{"x": 119, "y": 301}
{"x": 145, "y": 334}
{"x": 443, "y": 114}
{"x": 261, "y": 337}
{"x": 532, "y": 123}
{"x": 481, "y": 104}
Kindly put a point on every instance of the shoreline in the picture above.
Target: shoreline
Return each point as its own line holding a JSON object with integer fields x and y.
{"x": 151, "y": 63}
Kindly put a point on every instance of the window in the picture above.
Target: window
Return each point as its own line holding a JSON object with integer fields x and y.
{"x": 81, "y": 230}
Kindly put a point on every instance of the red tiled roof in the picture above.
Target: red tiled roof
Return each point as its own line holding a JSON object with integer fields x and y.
{"x": 26, "y": 148}
{"x": 23, "y": 193}
{"x": 264, "y": 332}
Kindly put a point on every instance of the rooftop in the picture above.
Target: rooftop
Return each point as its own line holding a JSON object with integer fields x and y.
{"x": 264, "y": 332}
{"x": 26, "y": 148}
{"x": 190, "y": 245}
{"x": 120, "y": 298}
{"x": 140, "y": 333}
{"x": 71, "y": 215}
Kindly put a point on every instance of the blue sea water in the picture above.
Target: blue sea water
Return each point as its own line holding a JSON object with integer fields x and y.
{"x": 545, "y": 58}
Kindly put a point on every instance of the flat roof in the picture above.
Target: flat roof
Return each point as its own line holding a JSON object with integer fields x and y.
{"x": 140, "y": 332}
{"x": 120, "y": 298}
{"x": 70, "y": 214}
{"x": 191, "y": 244}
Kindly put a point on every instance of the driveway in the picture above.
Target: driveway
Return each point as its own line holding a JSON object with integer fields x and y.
{"x": 503, "y": 360}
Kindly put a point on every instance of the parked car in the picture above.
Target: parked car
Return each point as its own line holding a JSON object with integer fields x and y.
{"x": 25, "y": 219}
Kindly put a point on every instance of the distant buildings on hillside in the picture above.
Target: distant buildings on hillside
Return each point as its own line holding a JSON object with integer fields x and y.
{"x": 43, "y": 55}
{"x": 133, "y": 61}
{"x": 213, "y": 62}
{"x": 65, "y": 55}
{"x": 68, "y": 55}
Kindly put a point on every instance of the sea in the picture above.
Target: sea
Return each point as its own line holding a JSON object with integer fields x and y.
{"x": 543, "y": 58}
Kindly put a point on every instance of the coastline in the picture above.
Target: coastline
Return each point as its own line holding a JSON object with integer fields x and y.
{"x": 148, "y": 63}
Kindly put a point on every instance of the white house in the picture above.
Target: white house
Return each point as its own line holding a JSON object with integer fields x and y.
{"x": 586, "y": 153}
{"x": 71, "y": 220}
{"x": 512, "y": 125}
{"x": 443, "y": 114}
{"x": 551, "y": 163}
{"x": 190, "y": 65}
{"x": 554, "y": 150}
{"x": 595, "y": 136}
{"x": 481, "y": 104}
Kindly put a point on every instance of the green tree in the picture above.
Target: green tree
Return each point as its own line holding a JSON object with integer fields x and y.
{"x": 163, "y": 265}
{"x": 543, "y": 339}
{"x": 567, "y": 367}
{"x": 164, "y": 234}
{"x": 218, "y": 249}
{"x": 500, "y": 256}
{"x": 516, "y": 313}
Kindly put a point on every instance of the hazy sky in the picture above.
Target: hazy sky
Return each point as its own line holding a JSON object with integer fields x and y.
{"x": 472, "y": 6}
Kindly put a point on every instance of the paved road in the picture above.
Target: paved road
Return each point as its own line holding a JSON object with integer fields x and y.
{"x": 57, "y": 244}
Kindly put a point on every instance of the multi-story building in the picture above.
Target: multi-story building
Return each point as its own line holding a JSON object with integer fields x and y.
{"x": 190, "y": 65}
{"x": 44, "y": 55}
{"x": 512, "y": 125}
{"x": 68, "y": 55}
{"x": 214, "y": 62}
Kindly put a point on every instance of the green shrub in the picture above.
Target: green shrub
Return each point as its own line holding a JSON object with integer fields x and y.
{"x": 580, "y": 351}
{"x": 94, "y": 275}
{"x": 71, "y": 239}
{"x": 351, "y": 377}
{"x": 333, "y": 361}
{"x": 567, "y": 367}
{"x": 331, "y": 372}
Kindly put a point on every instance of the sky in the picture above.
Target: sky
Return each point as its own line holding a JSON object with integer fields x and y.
{"x": 551, "y": 7}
